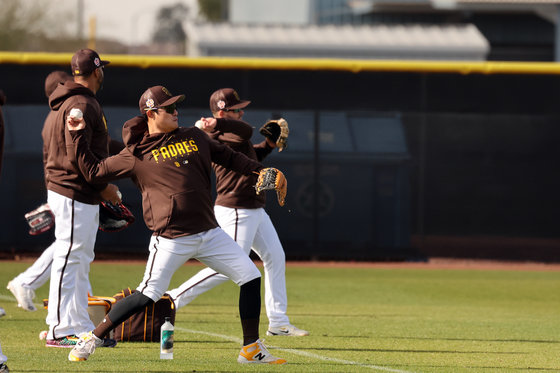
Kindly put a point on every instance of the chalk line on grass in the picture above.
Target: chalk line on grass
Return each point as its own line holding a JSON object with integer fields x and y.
{"x": 297, "y": 352}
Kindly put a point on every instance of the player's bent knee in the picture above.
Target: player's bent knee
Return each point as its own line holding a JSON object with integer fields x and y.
{"x": 249, "y": 276}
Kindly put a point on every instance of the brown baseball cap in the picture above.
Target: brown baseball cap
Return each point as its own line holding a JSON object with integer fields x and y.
{"x": 52, "y": 80}
{"x": 226, "y": 99}
{"x": 157, "y": 97}
{"x": 85, "y": 61}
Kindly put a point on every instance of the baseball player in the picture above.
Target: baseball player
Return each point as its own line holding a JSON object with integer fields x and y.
{"x": 73, "y": 201}
{"x": 241, "y": 214}
{"x": 23, "y": 286}
{"x": 171, "y": 166}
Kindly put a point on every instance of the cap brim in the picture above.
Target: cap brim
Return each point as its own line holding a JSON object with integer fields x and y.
{"x": 240, "y": 105}
{"x": 103, "y": 63}
{"x": 173, "y": 100}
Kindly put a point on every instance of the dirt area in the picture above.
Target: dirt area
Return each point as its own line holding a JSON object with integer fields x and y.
{"x": 433, "y": 263}
{"x": 441, "y": 263}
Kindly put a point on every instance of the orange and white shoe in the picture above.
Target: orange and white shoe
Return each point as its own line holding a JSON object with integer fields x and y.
{"x": 257, "y": 353}
{"x": 84, "y": 347}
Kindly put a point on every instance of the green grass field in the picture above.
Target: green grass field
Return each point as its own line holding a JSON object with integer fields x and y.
{"x": 360, "y": 319}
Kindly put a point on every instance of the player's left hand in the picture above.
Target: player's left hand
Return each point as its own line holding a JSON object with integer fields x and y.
{"x": 272, "y": 179}
{"x": 276, "y": 131}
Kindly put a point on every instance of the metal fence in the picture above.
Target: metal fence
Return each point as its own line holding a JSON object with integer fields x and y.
{"x": 385, "y": 160}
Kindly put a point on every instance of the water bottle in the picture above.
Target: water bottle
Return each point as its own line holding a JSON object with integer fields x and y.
{"x": 166, "y": 340}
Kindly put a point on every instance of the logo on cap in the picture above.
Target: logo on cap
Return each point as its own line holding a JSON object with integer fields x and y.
{"x": 149, "y": 104}
{"x": 97, "y": 62}
{"x": 221, "y": 104}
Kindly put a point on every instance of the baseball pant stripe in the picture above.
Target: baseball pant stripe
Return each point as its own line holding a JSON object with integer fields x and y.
{"x": 62, "y": 273}
{"x": 153, "y": 259}
{"x": 197, "y": 283}
{"x": 236, "y": 225}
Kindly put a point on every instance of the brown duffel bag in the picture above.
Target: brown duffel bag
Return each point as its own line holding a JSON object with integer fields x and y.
{"x": 145, "y": 325}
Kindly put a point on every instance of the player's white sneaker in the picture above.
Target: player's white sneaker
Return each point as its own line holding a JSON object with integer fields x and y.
{"x": 23, "y": 295}
{"x": 289, "y": 330}
{"x": 86, "y": 346}
{"x": 2, "y": 312}
{"x": 257, "y": 353}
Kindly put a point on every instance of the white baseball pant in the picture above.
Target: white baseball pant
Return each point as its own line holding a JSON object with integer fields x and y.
{"x": 40, "y": 271}
{"x": 251, "y": 229}
{"x": 213, "y": 247}
{"x": 76, "y": 226}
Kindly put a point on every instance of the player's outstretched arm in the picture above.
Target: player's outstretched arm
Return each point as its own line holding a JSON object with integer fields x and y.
{"x": 93, "y": 169}
{"x": 224, "y": 156}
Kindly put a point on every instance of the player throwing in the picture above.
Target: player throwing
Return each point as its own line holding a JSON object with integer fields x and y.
{"x": 171, "y": 165}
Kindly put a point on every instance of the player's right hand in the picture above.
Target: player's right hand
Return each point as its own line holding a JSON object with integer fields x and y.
{"x": 111, "y": 193}
{"x": 74, "y": 124}
{"x": 206, "y": 124}
{"x": 75, "y": 120}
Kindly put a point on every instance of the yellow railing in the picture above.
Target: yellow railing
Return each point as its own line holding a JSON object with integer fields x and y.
{"x": 144, "y": 61}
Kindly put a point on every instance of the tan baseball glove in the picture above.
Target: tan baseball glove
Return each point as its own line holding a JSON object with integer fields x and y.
{"x": 277, "y": 131}
{"x": 273, "y": 179}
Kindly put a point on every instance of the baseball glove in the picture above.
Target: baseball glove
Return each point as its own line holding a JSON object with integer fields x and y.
{"x": 277, "y": 131}
{"x": 114, "y": 218}
{"x": 273, "y": 179}
{"x": 40, "y": 220}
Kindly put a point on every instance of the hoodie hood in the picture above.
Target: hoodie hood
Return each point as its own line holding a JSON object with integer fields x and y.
{"x": 136, "y": 136}
{"x": 63, "y": 92}
{"x": 134, "y": 131}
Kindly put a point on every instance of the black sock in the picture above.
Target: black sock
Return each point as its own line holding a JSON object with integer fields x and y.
{"x": 250, "y": 310}
{"x": 121, "y": 311}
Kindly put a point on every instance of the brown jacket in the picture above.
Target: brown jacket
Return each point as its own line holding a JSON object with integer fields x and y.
{"x": 172, "y": 170}
{"x": 236, "y": 190}
{"x": 63, "y": 175}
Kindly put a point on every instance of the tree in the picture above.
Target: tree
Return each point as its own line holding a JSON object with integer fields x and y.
{"x": 169, "y": 24}
{"x": 31, "y": 27}
{"x": 213, "y": 10}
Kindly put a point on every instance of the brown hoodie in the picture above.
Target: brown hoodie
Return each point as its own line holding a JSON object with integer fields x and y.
{"x": 236, "y": 190}
{"x": 62, "y": 175}
{"x": 172, "y": 170}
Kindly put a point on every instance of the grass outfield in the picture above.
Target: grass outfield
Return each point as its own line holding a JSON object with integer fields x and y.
{"x": 360, "y": 319}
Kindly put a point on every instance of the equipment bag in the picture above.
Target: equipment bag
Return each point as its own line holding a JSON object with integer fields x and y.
{"x": 98, "y": 307}
{"x": 145, "y": 325}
